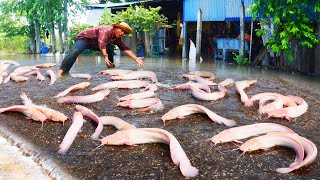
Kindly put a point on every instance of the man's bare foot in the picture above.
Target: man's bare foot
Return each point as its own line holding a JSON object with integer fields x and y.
{"x": 60, "y": 72}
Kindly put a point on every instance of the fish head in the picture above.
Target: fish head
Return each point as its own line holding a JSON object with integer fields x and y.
{"x": 118, "y": 138}
{"x": 221, "y": 138}
{"x": 251, "y": 145}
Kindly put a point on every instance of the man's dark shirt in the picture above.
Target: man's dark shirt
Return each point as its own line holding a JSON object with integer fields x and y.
{"x": 100, "y": 37}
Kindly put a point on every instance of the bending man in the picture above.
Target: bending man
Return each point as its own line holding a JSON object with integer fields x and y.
{"x": 99, "y": 38}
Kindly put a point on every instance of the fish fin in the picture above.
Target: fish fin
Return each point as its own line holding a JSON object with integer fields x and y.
{"x": 237, "y": 141}
{"x": 264, "y": 149}
{"x": 130, "y": 144}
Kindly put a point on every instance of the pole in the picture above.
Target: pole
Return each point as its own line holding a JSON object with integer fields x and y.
{"x": 185, "y": 41}
{"x": 199, "y": 30}
{"x": 242, "y": 31}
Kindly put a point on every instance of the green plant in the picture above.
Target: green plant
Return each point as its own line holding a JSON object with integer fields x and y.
{"x": 238, "y": 59}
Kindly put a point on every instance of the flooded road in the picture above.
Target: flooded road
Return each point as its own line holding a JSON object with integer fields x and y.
{"x": 153, "y": 161}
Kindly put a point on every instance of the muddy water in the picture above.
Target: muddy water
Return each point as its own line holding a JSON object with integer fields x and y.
{"x": 152, "y": 161}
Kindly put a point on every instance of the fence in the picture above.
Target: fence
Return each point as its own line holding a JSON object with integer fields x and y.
{"x": 221, "y": 40}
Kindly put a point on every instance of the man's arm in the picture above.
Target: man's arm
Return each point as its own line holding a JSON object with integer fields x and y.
{"x": 106, "y": 58}
{"x": 134, "y": 57}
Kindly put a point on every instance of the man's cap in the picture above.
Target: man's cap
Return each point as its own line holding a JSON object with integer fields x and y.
{"x": 124, "y": 26}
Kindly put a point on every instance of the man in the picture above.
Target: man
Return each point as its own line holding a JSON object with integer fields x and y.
{"x": 99, "y": 38}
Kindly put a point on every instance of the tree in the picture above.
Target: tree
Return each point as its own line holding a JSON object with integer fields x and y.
{"x": 292, "y": 20}
{"x": 140, "y": 19}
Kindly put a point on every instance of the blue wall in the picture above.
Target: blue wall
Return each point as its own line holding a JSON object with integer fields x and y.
{"x": 214, "y": 10}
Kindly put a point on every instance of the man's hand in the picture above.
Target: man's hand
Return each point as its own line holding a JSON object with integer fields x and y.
{"x": 108, "y": 62}
{"x": 140, "y": 61}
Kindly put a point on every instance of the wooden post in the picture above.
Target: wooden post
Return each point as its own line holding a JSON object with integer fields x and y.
{"x": 185, "y": 41}
{"x": 242, "y": 32}
{"x": 317, "y": 53}
{"x": 199, "y": 30}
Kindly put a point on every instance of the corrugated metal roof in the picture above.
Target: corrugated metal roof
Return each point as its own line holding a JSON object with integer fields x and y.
{"x": 214, "y": 10}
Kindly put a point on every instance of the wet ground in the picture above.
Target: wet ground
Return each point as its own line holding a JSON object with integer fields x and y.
{"x": 152, "y": 161}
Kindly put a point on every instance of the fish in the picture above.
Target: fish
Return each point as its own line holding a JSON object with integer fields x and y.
{"x": 19, "y": 78}
{"x": 310, "y": 150}
{"x": 151, "y": 87}
{"x": 199, "y": 79}
{"x": 116, "y": 122}
{"x": 265, "y": 142}
{"x": 265, "y": 108}
{"x": 188, "y": 85}
{"x": 142, "y": 103}
{"x": 84, "y": 76}
{"x": 130, "y": 84}
{"x": 241, "y": 86}
{"x": 202, "y": 95}
{"x": 286, "y": 101}
{"x": 140, "y": 95}
{"x": 90, "y": 114}
{"x": 115, "y": 72}
{"x": 291, "y": 112}
{"x": 137, "y": 75}
{"x": 243, "y": 132}
{"x": 40, "y": 77}
{"x": 98, "y": 96}
{"x": 19, "y": 71}
{"x": 222, "y": 85}
{"x": 48, "y": 112}
{"x": 72, "y": 88}
{"x": 181, "y": 111}
{"x": 53, "y": 77}
{"x": 9, "y": 62}
{"x": 77, "y": 122}
{"x": 46, "y": 65}
{"x": 205, "y": 74}
{"x": 137, "y": 136}
{"x": 28, "y": 111}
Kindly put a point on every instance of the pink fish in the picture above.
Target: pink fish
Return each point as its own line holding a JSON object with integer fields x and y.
{"x": 46, "y": 65}
{"x": 286, "y": 101}
{"x": 142, "y": 103}
{"x": 30, "y": 112}
{"x": 222, "y": 85}
{"x": 77, "y": 122}
{"x": 88, "y": 113}
{"x": 199, "y": 79}
{"x": 151, "y": 87}
{"x": 265, "y": 142}
{"x": 131, "y": 84}
{"x": 205, "y": 74}
{"x": 53, "y": 77}
{"x": 202, "y": 95}
{"x": 116, "y": 122}
{"x": 153, "y": 135}
{"x": 265, "y": 108}
{"x": 137, "y": 75}
{"x": 291, "y": 112}
{"x": 40, "y": 77}
{"x": 19, "y": 78}
{"x": 115, "y": 72}
{"x": 141, "y": 95}
{"x": 72, "y": 88}
{"x": 310, "y": 150}
{"x": 243, "y": 132}
{"x": 184, "y": 110}
{"x": 84, "y": 76}
{"x": 98, "y": 96}
{"x": 49, "y": 113}
{"x": 9, "y": 62}
{"x": 241, "y": 86}
{"x": 190, "y": 84}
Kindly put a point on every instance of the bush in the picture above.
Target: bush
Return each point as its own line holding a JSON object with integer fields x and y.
{"x": 13, "y": 44}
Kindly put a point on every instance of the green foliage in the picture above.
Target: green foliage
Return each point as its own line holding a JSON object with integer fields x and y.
{"x": 76, "y": 29}
{"x": 138, "y": 17}
{"x": 13, "y": 44}
{"x": 291, "y": 20}
{"x": 238, "y": 59}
